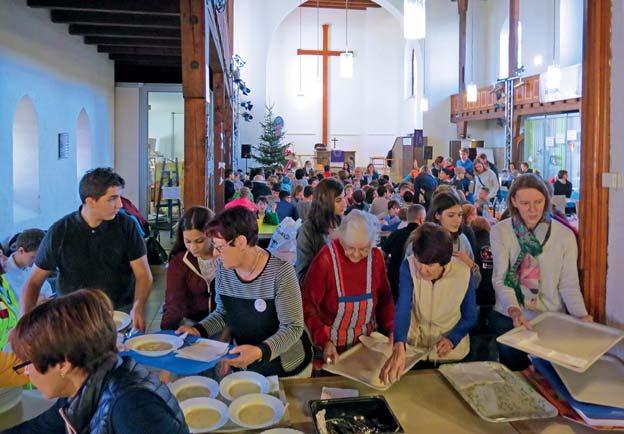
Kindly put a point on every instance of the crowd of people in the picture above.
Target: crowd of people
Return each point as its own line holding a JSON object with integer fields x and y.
{"x": 423, "y": 261}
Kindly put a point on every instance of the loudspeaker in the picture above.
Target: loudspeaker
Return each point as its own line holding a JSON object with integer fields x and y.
{"x": 245, "y": 151}
{"x": 428, "y": 154}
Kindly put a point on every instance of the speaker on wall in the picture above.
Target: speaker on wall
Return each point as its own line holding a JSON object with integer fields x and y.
{"x": 428, "y": 154}
{"x": 245, "y": 151}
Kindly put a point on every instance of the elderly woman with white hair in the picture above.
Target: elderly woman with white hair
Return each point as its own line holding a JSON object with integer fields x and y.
{"x": 346, "y": 292}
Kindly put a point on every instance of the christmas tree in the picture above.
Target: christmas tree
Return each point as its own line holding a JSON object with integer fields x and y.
{"x": 270, "y": 152}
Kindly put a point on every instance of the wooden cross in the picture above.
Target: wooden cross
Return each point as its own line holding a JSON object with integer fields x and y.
{"x": 334, "y": 140}
{"x": 326, "y": 53}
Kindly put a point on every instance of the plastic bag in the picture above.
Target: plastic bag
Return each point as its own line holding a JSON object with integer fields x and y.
{"x": 283, "y": 243}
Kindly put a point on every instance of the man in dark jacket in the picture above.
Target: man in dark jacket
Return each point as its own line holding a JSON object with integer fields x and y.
{"x": 285, "y": 208}
{"x": 394, "y": 245}
{"x": 259, "y": 187}
{"x": 424, "y": 186}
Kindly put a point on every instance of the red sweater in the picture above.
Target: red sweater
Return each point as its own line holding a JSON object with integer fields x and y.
{"x": 320, "y": 297}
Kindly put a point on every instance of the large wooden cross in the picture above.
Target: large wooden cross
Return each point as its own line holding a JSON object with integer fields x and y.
{"x": 326, "y": 53}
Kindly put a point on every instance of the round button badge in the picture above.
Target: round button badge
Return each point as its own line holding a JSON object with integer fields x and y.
{"x": 260, "y": 305}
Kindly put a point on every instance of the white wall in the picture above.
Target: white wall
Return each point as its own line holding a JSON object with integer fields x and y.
{"x": 169, "y": 135}
{"x": 615, "y": 278}
{"x": 62, "y": 76}
{"x": 364, "y": 111}
{"x": 127, "y": 137}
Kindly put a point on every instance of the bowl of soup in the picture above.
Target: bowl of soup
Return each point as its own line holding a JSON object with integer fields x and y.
{"x": 204, "y": 414}
{"x": 194, "y": 386}
{"x": 256, "y": 411}
{"x": 122, "y": 320}
{"x": 154, "y": 345}
{"x": 243, "y": 383}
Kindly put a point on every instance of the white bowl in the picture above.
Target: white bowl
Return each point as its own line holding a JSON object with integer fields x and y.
{"x": 282, "y": 431}
{"x": 242, "y": 377}
{"x": 244, "y": 401}
{"x": 195, "y": 403}
{"x": 121, "y": 318}
{"x": 195, "y": 380}
{"x": 175, "y": 342}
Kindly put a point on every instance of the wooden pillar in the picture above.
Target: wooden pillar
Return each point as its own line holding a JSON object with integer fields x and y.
{"x": 221, "y": 114}
{"x": 514, "y": 18}
{"x": 595, "y": 136}
{"x": 194, "y": 85}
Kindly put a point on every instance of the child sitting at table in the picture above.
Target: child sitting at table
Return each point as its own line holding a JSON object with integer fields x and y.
{"x": 268, "y": 217}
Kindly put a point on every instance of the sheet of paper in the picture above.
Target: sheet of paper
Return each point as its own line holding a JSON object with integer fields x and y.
{"x": 204, "y": 350}
{"x": 571, "y": 134}
{"x": 335, "y": 392}
{"x": 550, "y": 141}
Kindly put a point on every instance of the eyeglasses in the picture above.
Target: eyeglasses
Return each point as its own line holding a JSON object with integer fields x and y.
{"x": 219, "y": 249}
{"x": 353, "y": 250}
{"x": 21, "y": 367}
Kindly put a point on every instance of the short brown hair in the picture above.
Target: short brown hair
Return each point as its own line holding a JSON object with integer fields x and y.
{"x": 233, "y": 222}
{"x": 523, "y": 182}
{"x": 30, "y": 239}
{"x": 480, "y": 224}
{"x": 432, "y": 244}
{"x": 77, "y": 328}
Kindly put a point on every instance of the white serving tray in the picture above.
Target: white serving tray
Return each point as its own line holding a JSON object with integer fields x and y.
{"x": 564, "y": 340}
{"x": 363, "y": 364}
{"x": 601, "y": 384}
{"x": 504, "y": 401}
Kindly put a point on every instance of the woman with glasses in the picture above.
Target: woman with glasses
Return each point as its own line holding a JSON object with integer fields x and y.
{"x": 328, "y": 207}
{"x": 258, "y": 300}
{"x": 191, "y": 271}
{"x": 535, "y": 265}
{"x": 346, "y": 292}
{"x": 69, "y": 345}
{"x": 436, "y": 307}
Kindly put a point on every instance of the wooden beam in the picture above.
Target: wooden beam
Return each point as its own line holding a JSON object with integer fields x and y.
{"x": 194, "y": 89}
{"x": 132, "y": 20}
{"x": 123, "y": 31}
{"x": 139, "y": 51}
{"x": 146, "y": 58}
{"x": 161, "y": 7}
{"x": 132, "y": 42}
{"x": 595, "y": 137}
{"x": 133, "y": 73}
{"x": 514, "y": 18}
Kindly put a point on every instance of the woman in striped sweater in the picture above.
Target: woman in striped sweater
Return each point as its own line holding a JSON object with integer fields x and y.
{"x": 258, "y": 301}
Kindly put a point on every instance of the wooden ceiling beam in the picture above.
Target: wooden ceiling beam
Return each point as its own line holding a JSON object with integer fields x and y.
{"x": 156, "y": 51}
{"x": 132, "y": 42}
{"x": 146, "y": 58}
{"x": 111, "y": 18}
{"x": 160, "y": 7}
{"x": 340, "y": 4}
{"x": 123, "y": 31}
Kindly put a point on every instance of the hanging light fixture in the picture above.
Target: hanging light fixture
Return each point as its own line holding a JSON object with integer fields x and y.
{"x": 471, "y": 89}
{"x": 300, "y": 91}
{"x": 553, "y": 73}
{"x": 424, "y": 102}
{"x": 346, "y": 57}
{"x": 414, "y": 19}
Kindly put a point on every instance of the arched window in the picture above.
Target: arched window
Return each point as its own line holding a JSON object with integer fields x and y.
{"x": 25, "y": 161}
{"x": 83, "y": 144}
{"x": 503, "y": 41}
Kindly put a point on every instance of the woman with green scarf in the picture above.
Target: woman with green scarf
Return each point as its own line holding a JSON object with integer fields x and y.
{"x": 9, "y": 311}
{"x": 535, "y": 265}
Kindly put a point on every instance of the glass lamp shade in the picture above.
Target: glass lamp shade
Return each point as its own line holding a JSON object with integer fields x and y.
{"x": 471, "y": 93}
{"x": 346, "y": 64}
{"x": 424, "y": 104}
{"x": 414, "y": 19}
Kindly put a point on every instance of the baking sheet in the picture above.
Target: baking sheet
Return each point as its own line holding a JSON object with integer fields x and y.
{"x": 363, "y": 363}
{"x": 564, "y": 340}
{"x": 602, "y": 383}
{"x": 500, "y": 401}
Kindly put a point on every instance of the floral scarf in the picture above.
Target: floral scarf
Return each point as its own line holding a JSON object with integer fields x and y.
{"x": 524, "y": 275}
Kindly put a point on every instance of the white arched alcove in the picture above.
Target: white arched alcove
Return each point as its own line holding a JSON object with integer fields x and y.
{"x": 25, "y": 161}
{"x": 83, "y": 144}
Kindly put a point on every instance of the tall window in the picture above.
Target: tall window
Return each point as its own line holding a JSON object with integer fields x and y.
{"x": 83, "y": 144}
{"x": 503, "y": 40}
{"x": 25, "y": 161}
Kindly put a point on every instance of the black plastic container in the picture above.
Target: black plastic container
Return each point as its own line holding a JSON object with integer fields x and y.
{"x": 371, "y": 410}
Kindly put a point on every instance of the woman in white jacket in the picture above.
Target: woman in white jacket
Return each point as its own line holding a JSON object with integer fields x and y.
{"x": 484, "y": 177}
{"x": 535, "y": 267}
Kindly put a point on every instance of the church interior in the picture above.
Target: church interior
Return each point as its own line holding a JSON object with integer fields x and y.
{"x": 215, "y": 104}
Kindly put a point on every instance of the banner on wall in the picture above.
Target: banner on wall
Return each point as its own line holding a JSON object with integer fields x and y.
{"x": 571, "y": 85}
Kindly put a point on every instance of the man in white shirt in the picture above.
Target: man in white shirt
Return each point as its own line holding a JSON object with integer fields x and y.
{"x": 19, "y": 265}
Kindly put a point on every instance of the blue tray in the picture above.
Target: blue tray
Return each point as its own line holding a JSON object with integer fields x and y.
{"x": 592, "y": 411}
{"x": 172, "y": 363}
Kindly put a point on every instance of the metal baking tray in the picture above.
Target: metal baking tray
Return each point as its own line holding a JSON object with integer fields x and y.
{"x": 356, "y": 414}
{"x": 505, "y": 401}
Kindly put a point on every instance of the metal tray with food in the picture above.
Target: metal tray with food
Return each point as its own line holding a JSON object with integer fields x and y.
{"x": 495, "y": 393}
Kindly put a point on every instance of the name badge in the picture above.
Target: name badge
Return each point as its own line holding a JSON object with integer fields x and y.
{"x": 260, "y": 305}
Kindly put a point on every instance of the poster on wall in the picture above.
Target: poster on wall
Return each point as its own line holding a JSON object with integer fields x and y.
{"x": 550, "y": 141}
